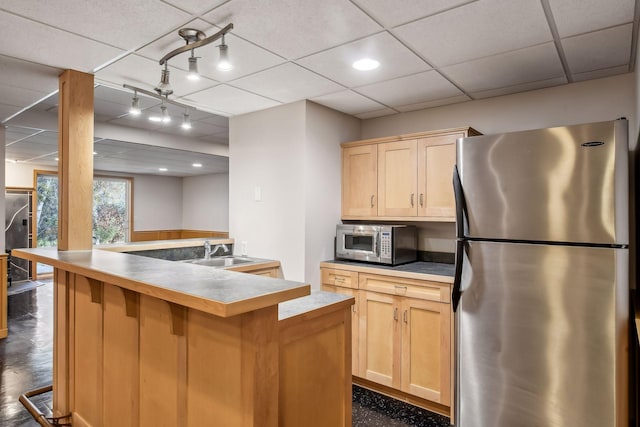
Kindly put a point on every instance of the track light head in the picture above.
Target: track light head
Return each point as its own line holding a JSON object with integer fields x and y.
{"x": 164, "y": 87}
{"x": 186, "y": 121}
{"x": 135, "y": 106}
{"x": 193, "y": 68}
{"x": 166, "y": 118}
{"x": 223, "y": 63}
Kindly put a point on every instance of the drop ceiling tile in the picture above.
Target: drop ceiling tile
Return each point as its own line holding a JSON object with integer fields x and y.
{"x": 52, "y": 47}
{"x": 580, "y": 16}
{"x": 598, "y": 74}
{"x": 348, "y": 102}
{"x": 520, "y": 88}
{"x": 120, "y": 23}
{"x": 392, "y": 13}
{"x": 7, "y": 111}
{"x": 512, "y": 68}
{"x": 145, "y": 74}
{"x": 287, "y": 83}
{"x": 196, "y": 7}
{"x": 601, "y": 49}
{"x": 232, "y": 100}
{"x": 247, "y": 58}
{"x": 395, "y": 61}
{"x": 294, "y": 28}
{"x": 219, "y": 121}
{"x": 431, "y": 104}
{"x": 14, "y": 134}
{"x": 378, "y": 113}
{"x": 20, "y": 97}
{"x": 27, "y": 75}
{"x": 476, "y": 30}
{"x": 427, "y": 86}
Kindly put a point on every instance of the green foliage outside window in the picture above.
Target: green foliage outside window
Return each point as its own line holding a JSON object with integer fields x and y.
{"x": 109, "y": 210}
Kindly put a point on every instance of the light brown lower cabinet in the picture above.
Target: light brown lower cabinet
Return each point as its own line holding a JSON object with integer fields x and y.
{"x": 403, "y": 338}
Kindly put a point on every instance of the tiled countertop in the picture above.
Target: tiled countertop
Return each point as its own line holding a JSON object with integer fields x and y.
{"x": 212, "y": 290}
{"x": 421, "y": 270}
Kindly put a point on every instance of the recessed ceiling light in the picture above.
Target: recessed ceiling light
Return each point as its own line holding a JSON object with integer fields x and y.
{"x": 57, "y": 159}
{"x": 155, "y": 118}
{"x": 197, "y": 165}
{"x": 94, "y": 153}
{"x": 163, "y": 169}
{"x": 365, "y": 64}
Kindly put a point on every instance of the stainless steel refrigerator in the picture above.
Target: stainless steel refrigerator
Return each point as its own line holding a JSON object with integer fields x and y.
{"x": 541, "y": 287}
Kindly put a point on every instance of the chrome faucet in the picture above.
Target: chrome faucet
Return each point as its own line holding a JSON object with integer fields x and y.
{"x": 222, "y": 246}
{"x": 209, "y": 252}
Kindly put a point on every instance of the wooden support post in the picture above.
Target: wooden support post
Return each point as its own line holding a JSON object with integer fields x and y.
{"x": 75, "y": 152}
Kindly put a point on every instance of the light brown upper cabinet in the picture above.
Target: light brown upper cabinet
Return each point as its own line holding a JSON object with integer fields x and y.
{"x": 397, "y": 178}
{"x": 400, "y": 177}
{"x": 360, "y": 181}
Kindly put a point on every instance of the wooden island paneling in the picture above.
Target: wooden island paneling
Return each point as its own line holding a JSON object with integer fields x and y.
{"x": 147, "y": 342}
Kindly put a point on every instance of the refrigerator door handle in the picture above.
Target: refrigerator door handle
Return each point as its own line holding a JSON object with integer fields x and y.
{"x": 461, "y": 205}
{"x": 456, "y": 293}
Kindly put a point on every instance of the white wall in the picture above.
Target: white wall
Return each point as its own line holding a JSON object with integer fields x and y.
{"x": 590, "y": 101}
{"x": 205, "y": 202}
{"x": 325, "y": 129}
{"x": 266, "y": 151}
{"x": 292, "y": 152}
{"x": 20, "y": 174}
{"x": 157, "y": 202}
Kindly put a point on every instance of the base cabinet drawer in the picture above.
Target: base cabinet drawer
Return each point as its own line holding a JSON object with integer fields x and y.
{"x": 342, "y": 278}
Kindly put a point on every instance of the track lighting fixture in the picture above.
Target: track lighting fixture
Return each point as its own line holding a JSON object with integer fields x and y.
{"x": 223, "y": 63}
{"x": 135, "y": 105}
{"x": 186, "y": 121}
{"x": 194, "y": 39}
{"x": 164, "y": 116}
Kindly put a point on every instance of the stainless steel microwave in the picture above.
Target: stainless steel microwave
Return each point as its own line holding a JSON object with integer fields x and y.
{"x": 382, "y": 244}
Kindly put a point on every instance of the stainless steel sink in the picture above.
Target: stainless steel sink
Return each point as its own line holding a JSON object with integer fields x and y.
{"x": 223, "y": 261}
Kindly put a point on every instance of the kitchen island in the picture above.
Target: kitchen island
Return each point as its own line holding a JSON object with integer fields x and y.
{"x": 149, "y": 342}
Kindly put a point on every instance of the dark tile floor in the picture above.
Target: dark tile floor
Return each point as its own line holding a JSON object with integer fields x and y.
{"x": 26, "y": 357}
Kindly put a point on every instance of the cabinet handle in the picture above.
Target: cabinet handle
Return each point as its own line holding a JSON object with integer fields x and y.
{"x": 421, "y": 200}
{"x": 395, "y": 313}
{"x": 338, "y": 279}
{"x": 372, "y": 200}
{"x": 353, "y": 308}
{"x": 411, "y": 199}
{"x": 404, "y": 316}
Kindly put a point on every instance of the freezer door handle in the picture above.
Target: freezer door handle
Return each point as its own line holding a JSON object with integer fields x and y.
{"x": 456, "y": 293}
{"x": 461, "y": 204}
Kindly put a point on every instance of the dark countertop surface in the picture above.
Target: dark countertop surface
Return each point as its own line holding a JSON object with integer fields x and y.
{"x": 419, "y": 267}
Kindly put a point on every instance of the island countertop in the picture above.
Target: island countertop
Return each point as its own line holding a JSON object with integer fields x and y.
{"x": 217, "y": 291}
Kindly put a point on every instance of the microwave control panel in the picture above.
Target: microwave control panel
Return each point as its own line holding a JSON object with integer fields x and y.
{"x": 385, "y": 244}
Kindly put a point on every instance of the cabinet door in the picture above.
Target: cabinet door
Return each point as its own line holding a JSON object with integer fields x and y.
{"x": 426, "y": 350}
{"x": 397, "y": 178}
{"x": 359, "y": 181}
{"x": 379, "y": 339}
{"x": 436, "y": 158}
{"x": 355, "y": 326}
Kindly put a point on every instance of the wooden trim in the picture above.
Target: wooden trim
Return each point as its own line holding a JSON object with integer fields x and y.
{"x": 150, "y": 235}
{"x": 162, "y": 244}
{"x": 18, "y": 189}
{"x": 386, "y": 272}
{"x": 400, "y": 395}
{"x": 4, "y": 330}
{"x": 468, "y": 130}
{"x": 398, "y": 218}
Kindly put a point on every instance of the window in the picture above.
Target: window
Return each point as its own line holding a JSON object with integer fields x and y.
{"x": 111, "y": 197}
